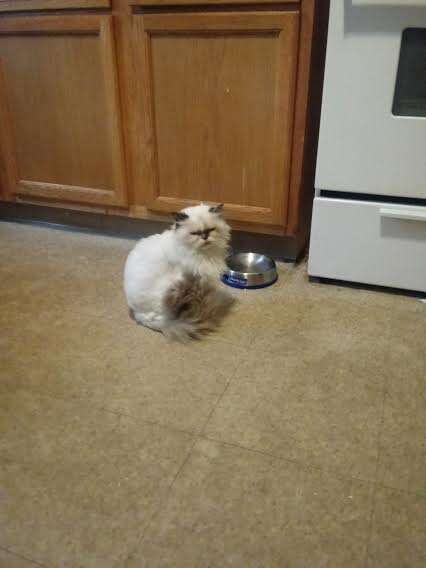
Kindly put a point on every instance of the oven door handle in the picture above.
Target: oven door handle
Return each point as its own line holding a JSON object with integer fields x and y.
{"x": 403, "y": 214}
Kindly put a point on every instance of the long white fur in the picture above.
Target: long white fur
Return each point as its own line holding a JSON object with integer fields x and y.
{"x": 157, "y": 262}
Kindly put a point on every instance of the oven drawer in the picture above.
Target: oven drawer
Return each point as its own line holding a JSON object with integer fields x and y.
{"x": 369, "y": 242}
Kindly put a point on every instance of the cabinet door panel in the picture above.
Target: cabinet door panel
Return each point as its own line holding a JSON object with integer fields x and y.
{"x": 220, "y": 93}
{"x": 59, "y": 90}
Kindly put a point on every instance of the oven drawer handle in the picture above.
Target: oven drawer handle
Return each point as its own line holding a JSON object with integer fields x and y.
{"x": 403, "y": 214}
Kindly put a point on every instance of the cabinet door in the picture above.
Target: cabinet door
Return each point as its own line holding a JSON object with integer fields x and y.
{"x": 219, "y": 88}
{"x": 59, "y": 111}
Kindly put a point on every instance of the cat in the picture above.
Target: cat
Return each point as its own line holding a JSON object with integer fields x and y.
{"x": 171, "y": 280}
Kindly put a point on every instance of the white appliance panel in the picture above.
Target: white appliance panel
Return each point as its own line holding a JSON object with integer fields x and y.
{"x": 374, "y": 243}
{"x": 363, "y": 147}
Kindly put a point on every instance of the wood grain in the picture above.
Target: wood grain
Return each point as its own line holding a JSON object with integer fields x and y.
{"x": 247, "y": 22}
{"x": 8, "y": 170}
{"x": 28, "y": 5}
{"x": 300, "y": 118}
{"x": 135, "y": 117}
{"x": 65, "y": 205}
{"x": 61, "y": 86}
{"x": 113, "y": 111}
{"x": 208, "y": 2}
{"x": 22, "y": 25}
{"x": 221, "y": 98}
{"x": 64, "y": 192}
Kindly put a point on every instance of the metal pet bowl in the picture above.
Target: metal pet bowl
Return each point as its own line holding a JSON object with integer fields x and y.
{"x": 250, "y": 270}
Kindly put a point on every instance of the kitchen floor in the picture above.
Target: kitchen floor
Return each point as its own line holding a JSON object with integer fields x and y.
{"x": 294, "y": 437}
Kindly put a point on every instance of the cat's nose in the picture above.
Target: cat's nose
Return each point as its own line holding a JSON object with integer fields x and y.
{"x": 205, "y": 236}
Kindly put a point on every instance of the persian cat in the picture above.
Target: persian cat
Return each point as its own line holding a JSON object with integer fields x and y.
{"x": 171, "y": 280}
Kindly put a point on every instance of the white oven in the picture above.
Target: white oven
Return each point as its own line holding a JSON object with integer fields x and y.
{"x": 369, "y": 217}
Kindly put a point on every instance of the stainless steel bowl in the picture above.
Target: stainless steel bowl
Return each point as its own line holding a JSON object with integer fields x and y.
{"x": 250, "y": 270}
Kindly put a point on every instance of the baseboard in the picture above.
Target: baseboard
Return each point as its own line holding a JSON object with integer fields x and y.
{"x": 371, "y": 287}
{"x": 286, "y": 249}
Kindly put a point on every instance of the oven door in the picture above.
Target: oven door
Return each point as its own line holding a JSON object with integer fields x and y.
{"x": 373, "y": 121}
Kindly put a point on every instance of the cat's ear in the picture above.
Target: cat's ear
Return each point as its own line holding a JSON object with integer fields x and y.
{"x": 217, "y": 209}
{"x": 179, "y": 216}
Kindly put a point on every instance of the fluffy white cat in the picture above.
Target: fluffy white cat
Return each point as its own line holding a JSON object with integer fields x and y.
{"x": 171, "y": 280}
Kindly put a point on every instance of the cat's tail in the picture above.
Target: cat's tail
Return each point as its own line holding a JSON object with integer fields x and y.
{"x": 194, "y": 307}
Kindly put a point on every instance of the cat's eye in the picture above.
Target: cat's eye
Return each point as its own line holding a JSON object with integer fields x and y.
{"x": 205, "y": 232}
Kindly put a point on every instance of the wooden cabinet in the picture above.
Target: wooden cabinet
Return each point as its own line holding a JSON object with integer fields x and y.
{"x": 139, "y": 108}
{"x": 28, "y": 5}
{"x": 219, "y": 98}
{"x": 212, "y": 3}
{"x": 59, "y": 109}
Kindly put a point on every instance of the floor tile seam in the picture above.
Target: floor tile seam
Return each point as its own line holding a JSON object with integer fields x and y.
{"x": 102, "y": 408}
{"x": 200, "y": 358}
{"x": 38, "y": 391}
{"x": 44, "y": 485}
{"x": 370, "y": 525}
{"x": 159, "y": 509}
{"x": 162, "y": 499}
{"x": 19, "y": 555}
{"x": 305, "y": 465}
{"x": 63, "y": 522}
{"x": 156, "y": 423}
{"x": 421, "y": 495}
{"x": 377, "y": 484}
{"x": 376, "y": 473}
{"x": 215, "y": 338}
{"x": 201, "y": 432}
{"x": 418, "y": 402}
{"x": 30, "y": 464}
{"x": 64, "y": 526}
{"x": 230, "y": 380}
{"x": 162, "y": 502}
{"x": 200, "y": 435}
{"x": 370, "y": 529}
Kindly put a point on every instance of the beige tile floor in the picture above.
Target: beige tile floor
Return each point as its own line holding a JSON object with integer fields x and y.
{"x": 294, "y": 437}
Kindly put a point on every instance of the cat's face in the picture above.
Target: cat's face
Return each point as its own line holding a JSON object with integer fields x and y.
{"x": 202, "y": 228}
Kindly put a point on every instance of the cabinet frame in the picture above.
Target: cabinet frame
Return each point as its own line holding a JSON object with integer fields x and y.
{"x": 28, "y": 5}
{"x": 101, "y": 25}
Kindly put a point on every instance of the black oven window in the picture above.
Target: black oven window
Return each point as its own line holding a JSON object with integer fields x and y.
{"x": 410, "y": 89}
